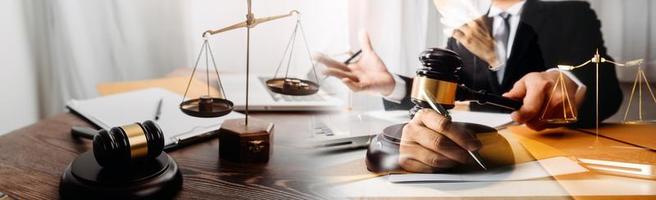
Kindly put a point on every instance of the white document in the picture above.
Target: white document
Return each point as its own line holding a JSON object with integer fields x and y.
{"x": 455, "y": 13}
{"x": 495, "y": 120}
{"x": 525, "y": 171}
{"x": 141, "y": 105}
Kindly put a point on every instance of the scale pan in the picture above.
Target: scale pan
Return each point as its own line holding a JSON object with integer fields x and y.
{"x": 640, "y": 122}
{"x": 206, "y": 107}
{"x": 292, "y": 86}
{"x": 570, "y": 120}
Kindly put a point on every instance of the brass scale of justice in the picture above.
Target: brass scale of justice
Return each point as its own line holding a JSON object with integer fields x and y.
{"x": 208, "y": 106}
{"x": 247, "y": 140}
{"x": 568, "y": 114}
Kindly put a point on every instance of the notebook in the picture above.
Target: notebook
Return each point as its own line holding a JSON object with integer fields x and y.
{"x": 524, "y": 171}
{"x": 141, "y": 105}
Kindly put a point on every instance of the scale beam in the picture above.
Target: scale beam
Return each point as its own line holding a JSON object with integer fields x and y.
{"x": 250, "y": 22}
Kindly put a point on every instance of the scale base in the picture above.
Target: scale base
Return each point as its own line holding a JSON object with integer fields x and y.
{"x": 250, "y": 143}
{"x": 85, "y": 179}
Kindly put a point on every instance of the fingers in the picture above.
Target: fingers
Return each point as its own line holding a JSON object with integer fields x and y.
{"x": 354, "y": 86}
{"x": 536, "y": 87}
{"x": 461, "y": 35}
{"x": 430, "y": 160}
{"x": 442, "y": 125}
{"x": 341, "y": 74}
{"x": 518, "y": 90}
{"x": 412, "y": 165}
{"x": 471, "y": 32}
{"x": 365, "y": 42}
{"x": 329, "y": 62}
{"x": 429, "y": 139}
{"x": 478, "y": 27}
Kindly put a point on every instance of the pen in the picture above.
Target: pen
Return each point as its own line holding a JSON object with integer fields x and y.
{"x": 158, "y": 112}
{"x": 440, "y": 109}
{"x": 348, "y": 61}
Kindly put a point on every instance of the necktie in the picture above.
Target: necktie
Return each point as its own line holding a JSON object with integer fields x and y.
{"x": 501, "y": 36}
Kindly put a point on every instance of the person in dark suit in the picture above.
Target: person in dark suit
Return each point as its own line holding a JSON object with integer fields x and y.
{"x": 512, "y": 51}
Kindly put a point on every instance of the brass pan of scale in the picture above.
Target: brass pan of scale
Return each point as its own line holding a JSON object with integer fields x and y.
{"x": 640, "y": 122}
{"x": 292, "y": 86}
{"x": 564, "y": 121}
{"x": 207, "y": 107}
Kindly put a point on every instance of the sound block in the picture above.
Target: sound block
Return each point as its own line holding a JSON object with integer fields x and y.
{"x": 250, "y": 143}
{"x": 155, "y": 179}
{"x": 383, "y": 151}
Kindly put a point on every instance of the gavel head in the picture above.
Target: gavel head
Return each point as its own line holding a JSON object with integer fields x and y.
{"x": 438, "y": 77}
{"x": 129, "y": 144}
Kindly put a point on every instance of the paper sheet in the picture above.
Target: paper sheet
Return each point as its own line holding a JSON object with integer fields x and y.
{"x": 141, "y": 105}
{"x": 495, "y": 120}
{"x": 456, "y": 13}
{"x": 525, "y": 171}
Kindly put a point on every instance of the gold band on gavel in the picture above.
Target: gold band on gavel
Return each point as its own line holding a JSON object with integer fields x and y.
{"x": 137, "y": 139}
{"x": 444, "y": 92}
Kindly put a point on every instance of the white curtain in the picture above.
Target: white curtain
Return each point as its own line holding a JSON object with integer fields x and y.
{"x": 629, "y": 28}
{"x": 399, "y": 30}
{"x": 77, "y": 44}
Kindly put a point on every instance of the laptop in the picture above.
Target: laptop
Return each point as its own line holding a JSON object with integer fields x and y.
{"x": 262, "y": 99}
{"x": 344, "y": 131}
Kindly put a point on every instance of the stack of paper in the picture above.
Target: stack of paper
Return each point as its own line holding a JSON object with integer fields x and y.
{"x": 525, "y": 171}
{"x": 495, "y": 120}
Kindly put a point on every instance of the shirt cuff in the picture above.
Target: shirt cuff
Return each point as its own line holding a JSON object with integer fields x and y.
{"x": 398, "y": 93}
{"x": 580, "y": 91}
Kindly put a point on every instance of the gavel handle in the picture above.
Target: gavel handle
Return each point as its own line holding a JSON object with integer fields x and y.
{"x": 84, "y": 132}
{"x": 484, "y": 97}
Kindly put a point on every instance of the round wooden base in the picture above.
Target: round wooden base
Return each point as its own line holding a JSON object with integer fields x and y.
{"x": 85, "y": 179}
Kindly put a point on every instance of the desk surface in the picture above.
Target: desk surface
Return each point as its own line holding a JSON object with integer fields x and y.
{"x": 33, "y": 158}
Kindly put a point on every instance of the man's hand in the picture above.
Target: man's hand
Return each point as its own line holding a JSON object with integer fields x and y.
{"x": 477, "y": 39}
{"x": 369, "y": 74}
{"x": 534, "y": 89}
{"x": 430, "y": 143}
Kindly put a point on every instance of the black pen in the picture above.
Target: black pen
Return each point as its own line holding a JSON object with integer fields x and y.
{"x": 158, "y": 112}
{"x": 348, "y": 61}
{"x": 356, "y": 54}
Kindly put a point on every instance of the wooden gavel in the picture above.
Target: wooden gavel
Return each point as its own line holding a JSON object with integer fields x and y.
{"x": 125, "y": 145}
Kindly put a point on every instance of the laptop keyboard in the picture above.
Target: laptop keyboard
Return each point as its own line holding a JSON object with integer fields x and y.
{"x": 322, "y": 129}
{"x": 289, "y": 98}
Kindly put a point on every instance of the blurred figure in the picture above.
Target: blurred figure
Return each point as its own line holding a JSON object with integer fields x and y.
{"x": 511, "y": 51}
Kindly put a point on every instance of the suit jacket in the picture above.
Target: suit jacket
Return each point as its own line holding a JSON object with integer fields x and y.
{"x": 548, "y": 34}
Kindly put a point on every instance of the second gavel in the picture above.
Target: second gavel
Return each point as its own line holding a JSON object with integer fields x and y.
{"x": 440, "y": 76}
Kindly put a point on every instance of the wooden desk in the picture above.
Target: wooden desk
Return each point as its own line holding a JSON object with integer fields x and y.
{"x": 352, "y": 181}
{"x": 32, "y": 160}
